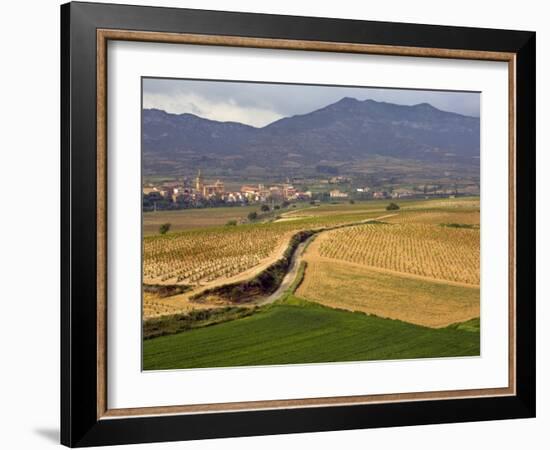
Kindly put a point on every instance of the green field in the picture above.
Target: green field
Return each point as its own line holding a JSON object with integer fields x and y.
{"x": 298, "y": 332}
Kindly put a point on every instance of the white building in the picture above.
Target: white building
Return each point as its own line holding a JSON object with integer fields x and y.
{"x": 336, "y": 193}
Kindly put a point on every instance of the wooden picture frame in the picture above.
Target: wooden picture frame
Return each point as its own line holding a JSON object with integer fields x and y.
{"x": 86, "y": 418}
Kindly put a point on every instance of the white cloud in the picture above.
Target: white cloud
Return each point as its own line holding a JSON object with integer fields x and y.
{"x": 223, "y": 111}
{"x": 259, "y": 104}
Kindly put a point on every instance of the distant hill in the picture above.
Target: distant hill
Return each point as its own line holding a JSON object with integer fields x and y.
{"x": 346, "y": 131}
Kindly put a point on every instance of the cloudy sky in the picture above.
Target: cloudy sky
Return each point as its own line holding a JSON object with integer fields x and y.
{"x": 259, "y": 104}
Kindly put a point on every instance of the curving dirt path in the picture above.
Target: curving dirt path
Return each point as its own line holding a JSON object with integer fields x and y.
{"x": 290, "y": 275}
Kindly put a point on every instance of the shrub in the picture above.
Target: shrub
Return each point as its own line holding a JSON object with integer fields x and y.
{"x": 252, "y": 216}
{"x": 164, "y": 228}
{"x": 457, "y": 225}
{"x": 392, "y": 207}
{"x": 265, "y": 208}
{"x": 231, "y": 223}
{"x": 165, "y": 290}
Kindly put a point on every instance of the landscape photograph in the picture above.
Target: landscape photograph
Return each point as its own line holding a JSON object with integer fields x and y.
{"x": 306, "y": 224}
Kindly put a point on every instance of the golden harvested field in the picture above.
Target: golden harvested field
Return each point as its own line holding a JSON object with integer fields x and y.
{"x": 432, "y": 251}
{"x": 446, "y": 203}
{"x": 436, "y": 217}
{"x": 186, "y": 219}
{"x": 155, "y": 306}
{"x": 356, "y": 288}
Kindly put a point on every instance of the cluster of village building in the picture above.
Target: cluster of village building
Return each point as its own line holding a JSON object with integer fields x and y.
{"x": 181, "y": 193}
{"x": 366, "y": 193}
{"x": 199, "y": 193}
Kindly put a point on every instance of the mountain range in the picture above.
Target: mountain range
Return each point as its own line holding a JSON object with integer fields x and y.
{"x": 343, "y": 132}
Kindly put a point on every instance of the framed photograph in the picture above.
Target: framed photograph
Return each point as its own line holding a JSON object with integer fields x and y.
{"x": 276, "y": 224}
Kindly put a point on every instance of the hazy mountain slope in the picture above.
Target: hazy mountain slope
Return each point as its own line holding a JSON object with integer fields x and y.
{"x": 344, "y": 131}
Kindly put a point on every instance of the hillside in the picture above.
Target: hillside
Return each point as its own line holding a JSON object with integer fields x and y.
{"x": 343, "y": 132}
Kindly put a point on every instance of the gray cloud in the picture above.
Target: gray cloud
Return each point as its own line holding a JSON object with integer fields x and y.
{"x": 259, "y": 104}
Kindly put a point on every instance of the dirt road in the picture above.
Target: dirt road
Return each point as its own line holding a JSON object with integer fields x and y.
{"x": 290, "y": 275}
{"x": 297, "y": 258}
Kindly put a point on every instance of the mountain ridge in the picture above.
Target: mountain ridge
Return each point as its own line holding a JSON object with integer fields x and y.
{"x": 343, "y": 99}
{"x": 343, "y": 131}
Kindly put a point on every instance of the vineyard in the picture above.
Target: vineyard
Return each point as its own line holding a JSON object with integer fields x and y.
{"x": 434, "y": 251}
{"x": 434, "y": 241}
{"x": 198, "y": 257}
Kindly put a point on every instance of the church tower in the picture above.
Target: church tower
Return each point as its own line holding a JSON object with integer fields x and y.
{"x": 199, "y": 183}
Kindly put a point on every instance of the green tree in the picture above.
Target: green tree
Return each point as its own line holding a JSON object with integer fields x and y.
{"x": 252, "y": 216}
{"x": 392, "y": 207}
{"x": 164, "y": 228}
{"x": 265, "y": 208}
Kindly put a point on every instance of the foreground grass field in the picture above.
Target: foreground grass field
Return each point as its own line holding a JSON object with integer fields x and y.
{"x": 299, "y": 332}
